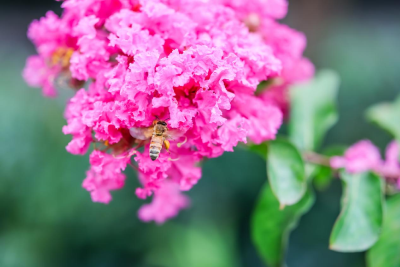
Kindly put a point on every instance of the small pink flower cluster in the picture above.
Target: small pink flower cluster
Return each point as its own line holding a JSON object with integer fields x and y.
{"x": 191, "y": 62}
{"x": 364, "y": 156}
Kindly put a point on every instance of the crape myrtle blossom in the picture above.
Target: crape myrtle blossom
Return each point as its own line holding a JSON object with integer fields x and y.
{"x": 104, "y": 175}
{"x": 360, "y": 157}
{"x": 192, "y": 63}
{"x": 55, "y": 44}
{"x": 364, "y": 156}
{"x": 288, "y": 45}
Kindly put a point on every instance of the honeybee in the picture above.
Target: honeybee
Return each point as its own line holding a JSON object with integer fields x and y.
{"x": 159, "y": 135}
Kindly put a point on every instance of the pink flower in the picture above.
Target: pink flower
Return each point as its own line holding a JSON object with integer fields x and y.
{"x": 166, "y": 204}
{"x": 264, "y": 120}
{"x": 287, "y": 45}
{"x": 51, "y": 33}
{"x": 364, "y": 156}
{"x": 37, "y": 74}
{"x": 391, "y": 166}
{"x": 81, "y": 134}
{"x": 264, "y": 8}
{"x": 185, "y": 170}
{"x": 192, "y": 63}
{"x": 232, "y": 132}
{"x": 152, "y": 173}
{"x": 360, "y": 157}
{"x": 55, "y": 44}
{"x": 104, "y": 175}
{"x": 277, "y": 95}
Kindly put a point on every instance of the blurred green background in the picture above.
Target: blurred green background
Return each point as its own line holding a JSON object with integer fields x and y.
{"x": 47, "y": 219}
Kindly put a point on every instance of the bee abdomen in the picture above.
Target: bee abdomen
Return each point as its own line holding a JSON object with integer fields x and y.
{"x": 155, "y": 148}
{"x": 154, "y": 153}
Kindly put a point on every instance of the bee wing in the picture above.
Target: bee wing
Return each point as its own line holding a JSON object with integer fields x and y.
{"x": 174, "y": 134}
{"x": 141, "y": 133}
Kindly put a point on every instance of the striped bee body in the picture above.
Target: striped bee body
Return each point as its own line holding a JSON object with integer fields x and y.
{"x": 158, "y": 139}
{"x": 156, "y": 145}
{"x": 158, "y": 135}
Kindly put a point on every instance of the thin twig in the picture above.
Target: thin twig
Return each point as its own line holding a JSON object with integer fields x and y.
{"x": 317, "y": 159}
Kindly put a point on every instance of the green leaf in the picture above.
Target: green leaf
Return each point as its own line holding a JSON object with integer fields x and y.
{"x": 385, "y": 253}
{"x": 322, "y": 177}
{"x": 386, "y": 116}
{"x": 286, "y": 172}
{"x": 271, "y": 226}
{"x": 360, "y": 220}
{"x": 313, "y": 110}
{"x": 260, "y": 149}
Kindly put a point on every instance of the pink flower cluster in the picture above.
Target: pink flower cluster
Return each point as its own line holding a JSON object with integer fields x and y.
{"x": 192, "y": 63}
{"x": 364, "y": 156}
{"x": 287, "y": 44}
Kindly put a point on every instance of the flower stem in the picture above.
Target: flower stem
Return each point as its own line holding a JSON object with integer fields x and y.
{"x": 317, "y": 159}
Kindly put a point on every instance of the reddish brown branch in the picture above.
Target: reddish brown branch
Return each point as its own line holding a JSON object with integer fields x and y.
{"x": 314, "y": 158}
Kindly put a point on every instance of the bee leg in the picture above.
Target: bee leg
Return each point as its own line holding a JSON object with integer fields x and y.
{"x": 167, "y": 145}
